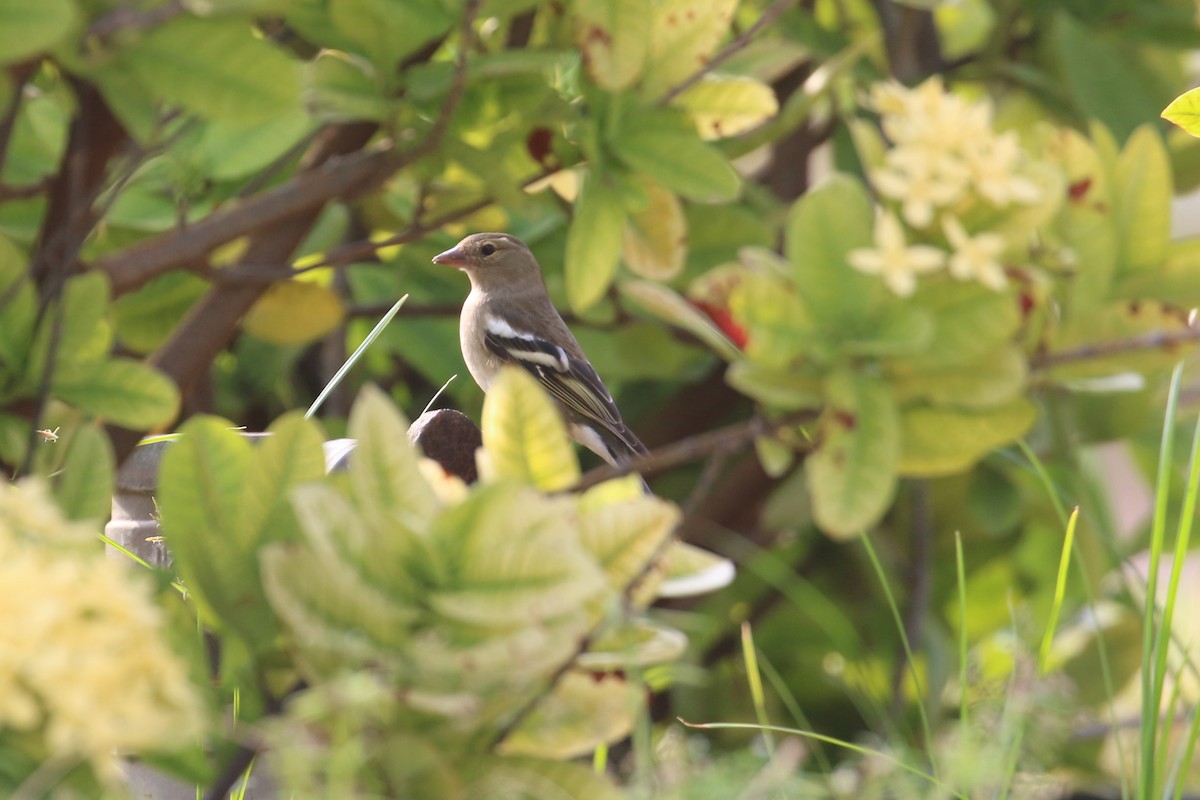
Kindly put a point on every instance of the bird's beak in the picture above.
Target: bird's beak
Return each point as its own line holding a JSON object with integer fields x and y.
{"x": 454, "y": 257}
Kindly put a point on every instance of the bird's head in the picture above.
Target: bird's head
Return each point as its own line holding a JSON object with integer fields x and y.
{"x": 492, "y": 259}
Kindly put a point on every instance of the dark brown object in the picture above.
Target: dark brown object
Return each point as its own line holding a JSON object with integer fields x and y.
{"x": 449, "y": 438}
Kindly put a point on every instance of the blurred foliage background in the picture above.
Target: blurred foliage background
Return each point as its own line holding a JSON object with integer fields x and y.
{"x": 887, "y": 286}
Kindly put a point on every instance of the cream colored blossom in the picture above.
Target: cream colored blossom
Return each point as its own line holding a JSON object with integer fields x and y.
{"x": 975, "y": 257}
{"x": 923, "y": 180}
{"x": 993, "y": 164}
{"x": 84, "y": 667}
{"x": 893, "y": 259}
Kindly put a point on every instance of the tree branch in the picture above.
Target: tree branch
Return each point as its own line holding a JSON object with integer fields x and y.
{"x": 1157, "y": 340}
{"x": 694, "y": 448}
{"x": 728, "y": 51}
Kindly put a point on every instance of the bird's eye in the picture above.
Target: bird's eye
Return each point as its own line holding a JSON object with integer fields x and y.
{"x": 488, "y": 249}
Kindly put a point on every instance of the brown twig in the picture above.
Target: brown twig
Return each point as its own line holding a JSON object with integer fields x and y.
{"x": 1157, "y": 340}
{"x": 128, "y": 19}
{"x": 728, "y": 51}
{"x": 728, "y": 440}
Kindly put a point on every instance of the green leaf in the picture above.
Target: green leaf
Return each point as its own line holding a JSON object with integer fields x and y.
{"x": 664, "y": 145}
{"x": 852, "y": 472}
{"x": 291, "y": 455}
{"x": 943, "y": 441}
{"x": 83, "y": 486}
{"x": 340, "y": 87}
{"x": 970, "y": 321}
{"x": 200, "y": 485}
{"x": 992, "y": 380}
{"x": 524, "y": 436}
{"x": 593, "y": 242}
{"x": 514, "y": 559}
{"x": 28, "y": 28}
{"x": 84, "y": 337}
{"x": 781, "y": 389}
{"x": 779, "y": 329}
{"x": 581, "y": 713}
{"x": 146, "y": 317}
{"x": 294, "y": 312}
{"x": 1184, "y": 111}
{"x": 516, "y": 776}
{"x": 896, "y": 330}
{"x": 228, "y": 151}
{"x": 18, "y": 307}
{"x": 822, "y": 227}
{"x": 673, "y": 309}
{"x": 1142, "y": 201}
{"x": 388, "y": 484}
{"x": 216, "y": 68}
{"x": 1177, "y": 282}
{"x": 626, "y": 534}
{"x": 123, "y": 391}
{"x": 613, "y": 37}
{"x": 728, "y": 105}
{"x": 1104, "y": 81}
{"x": 684, "y": 34}
{"x": 387, "y": 30}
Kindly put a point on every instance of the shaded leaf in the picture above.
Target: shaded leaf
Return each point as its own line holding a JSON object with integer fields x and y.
{"x": 340, "y": 87}
{"x": 18, "y": 307}
{"x": 664, "y": 145}
{"x": 125, "y": 392}
{"x": 593, "y": 242}
{"x": 216, "y": 68}
{"x": 515, "y": 776}
{"x": 1142, "y": 201}
{"x": 387, "y": 30}
{"x": 852, "y": 471}
{"x": 673, "y": 309}
{"x": 83, "y": 486}
{"x": 992, "y": 380}
{"x": 28, "y": 28}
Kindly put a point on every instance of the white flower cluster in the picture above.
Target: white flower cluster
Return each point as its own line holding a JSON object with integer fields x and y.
{"x": 84, "y": 668}
{"x": 944, "y": 161}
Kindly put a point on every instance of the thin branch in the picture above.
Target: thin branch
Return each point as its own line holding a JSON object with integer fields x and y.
{"x": 694, "y": 448}
{"x": 128, "y": 19}
{"x": 23, "y": 192}
{"x": 1157, "y": 340}
{"x": 728, "y": 51}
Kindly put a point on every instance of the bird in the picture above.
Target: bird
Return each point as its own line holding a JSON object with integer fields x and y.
{"x": 508, "y": 318}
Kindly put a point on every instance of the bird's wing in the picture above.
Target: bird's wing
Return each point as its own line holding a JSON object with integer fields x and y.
{"x": 569, "y": 379}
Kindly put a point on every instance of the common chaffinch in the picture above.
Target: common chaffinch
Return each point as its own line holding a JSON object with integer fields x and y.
{"x": 508, "y": 318}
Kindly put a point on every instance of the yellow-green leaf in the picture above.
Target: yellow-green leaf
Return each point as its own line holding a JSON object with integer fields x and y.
{"x": 593, "y": 242}
{"x": 83, "y": 485}
{"x": 20, "y": 307}
{"x": 693, "y": 570}
{"x": 852, "y": 472}
{"x": 723, "y": 106}
{"x": 27, "y": 28}
{"x": 685, "y": 34}
{"x": 613, "y": 36}
{"x": 524, "y": 435}
{"x": 342, "y": 87}
{"x": 1142, "y": 201}
{"x": 943, "y": 441}
{"x": 664, "y": 145}
{"x": 655, "y": 241}
{"x": 294, "y": 313}
{"x": 387, "y": 30}
{"x": 1184, "y": 111}
{"x": 990, "y": 381}
{"x": 626, "y": 535}
{"x": 580, "y": 713}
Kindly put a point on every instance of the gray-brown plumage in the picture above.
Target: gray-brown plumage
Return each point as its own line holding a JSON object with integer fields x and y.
{"x": 508, "y": 319}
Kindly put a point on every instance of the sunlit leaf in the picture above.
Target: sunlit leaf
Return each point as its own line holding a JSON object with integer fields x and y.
{"x": 942, "y": 440}
{"x": 83, "y": 486}
{"x": 294, "y": 313}
{"x": 581, "y": 713}
{"x": 517, "y": 776}
{"x": 969, "y": 322}
{"x": 626, "y": 536}
{"x": 655, "y": 241}
{"x": 684, "y": 35}
{"x": 613, "y": 37}
{"x": 992, "y": 380}
{"x": 692, "y": 570}
{"x": 524, "y": 434}
{"x": 1142, "y": 201}
{"x": 852, "y": 471}
{"x": 723, "y": 106}
{"x": 1184, "y": 111}
{"x": 292, "y": 454}
{"x": 673, "y": 309}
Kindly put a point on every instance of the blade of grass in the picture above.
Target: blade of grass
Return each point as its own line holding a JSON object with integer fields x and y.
{"x": 854, "y": 748}
{"x": 908, "y": 653}
{"x": 754, "y": 678}
{"x": 1151, "y": 641}
{"x": 438, "y": 393}
{"x": 1060, "y": 591}
{"x": 353, "y": 359}
{"x": 960, "y": 572}
{"x": 780, "y": 687}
